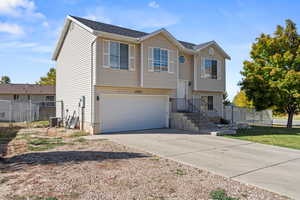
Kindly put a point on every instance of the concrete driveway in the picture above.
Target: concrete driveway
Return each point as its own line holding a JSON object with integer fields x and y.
{"x": 273, "y": 168}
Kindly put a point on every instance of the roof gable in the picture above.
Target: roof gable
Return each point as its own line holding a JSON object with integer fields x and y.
{"x": 99, "y": 28}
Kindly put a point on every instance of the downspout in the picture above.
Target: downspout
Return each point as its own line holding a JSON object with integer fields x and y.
{"x": 92, "y": 81}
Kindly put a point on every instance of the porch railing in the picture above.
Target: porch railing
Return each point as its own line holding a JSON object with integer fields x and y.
{"x": 195, "y": 105}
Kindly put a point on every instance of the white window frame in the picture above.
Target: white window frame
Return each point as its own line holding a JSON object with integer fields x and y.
{"x": 130, "y": 57}
{"x": 209, "y": 76}
{"x": 153, "y": 60}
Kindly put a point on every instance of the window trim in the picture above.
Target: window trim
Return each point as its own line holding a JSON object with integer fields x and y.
{"x": 108, "y": 55}
{"x": 168, "y": 59}
{"x": 203, "y": 72}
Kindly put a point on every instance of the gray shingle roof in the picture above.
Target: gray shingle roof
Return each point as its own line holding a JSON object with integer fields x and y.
{"x": 26, "y": 89}
{"x": 99, "y": 26}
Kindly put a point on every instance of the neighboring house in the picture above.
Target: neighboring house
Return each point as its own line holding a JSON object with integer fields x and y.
{"x": 15, "y": 102}
{"x": 27, "y": 92}
{"x": 128, "y": 78}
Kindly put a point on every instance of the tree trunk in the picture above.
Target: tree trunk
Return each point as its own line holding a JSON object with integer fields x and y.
{"x": 290, "y": 119}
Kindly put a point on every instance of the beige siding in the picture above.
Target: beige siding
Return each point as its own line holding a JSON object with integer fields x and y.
{"x": 210, "y": 84}
{"x": 186, "y": 69}
{"x": 74, "y": 71}
{"x": 217, "y": 99}
{"x": 158, "y": 79}
{"x": 113, "y": 77}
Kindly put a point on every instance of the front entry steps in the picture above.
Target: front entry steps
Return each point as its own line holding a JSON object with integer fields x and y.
{"x": 191, "y": 122}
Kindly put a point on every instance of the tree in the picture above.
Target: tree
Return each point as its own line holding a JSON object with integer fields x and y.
{"x": 5, "y": 80}
{"x": 226, "y": 101}
{"x": 272, "y": 77}
{"x": 241, "y": 100}
{"x": 50, "y": 79}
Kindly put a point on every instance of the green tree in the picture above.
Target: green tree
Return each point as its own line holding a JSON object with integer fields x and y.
{"x": 226, "y": 101}
{"x": 241, "y": 100}
{"x": 5, "y": 80}
{"x": 272, "y": 77}
{"x": 50, "y": 79}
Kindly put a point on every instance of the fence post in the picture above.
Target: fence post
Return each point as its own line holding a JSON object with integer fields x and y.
{"x": 232, "y": 114}
{"x": 62, "y": 112}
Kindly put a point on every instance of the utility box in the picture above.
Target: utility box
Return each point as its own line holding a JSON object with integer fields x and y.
{"x": 54, "y": 121}
{"x": 82, "y": 102}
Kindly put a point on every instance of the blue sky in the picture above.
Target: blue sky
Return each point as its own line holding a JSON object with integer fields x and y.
{"x": 29, "y": 29}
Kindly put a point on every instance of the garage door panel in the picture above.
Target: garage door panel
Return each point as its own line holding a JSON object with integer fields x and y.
{"x": 132, "y": 112}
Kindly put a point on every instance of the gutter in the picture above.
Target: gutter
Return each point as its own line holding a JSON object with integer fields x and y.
{"x": 92, "y": 83}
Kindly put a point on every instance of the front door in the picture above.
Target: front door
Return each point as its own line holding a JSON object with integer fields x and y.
{"x": 182, "y": 95}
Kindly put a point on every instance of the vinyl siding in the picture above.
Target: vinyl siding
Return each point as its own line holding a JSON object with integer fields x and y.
{"x": 158, "y": 79}
{"x": 210, "y": 84}
{"x": 74, "y": 71}
{"x": 113, "y": 77}
{"x": 217, "y": 99}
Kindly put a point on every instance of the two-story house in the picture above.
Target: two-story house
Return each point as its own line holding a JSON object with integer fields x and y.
{"x": 132, "y": 80}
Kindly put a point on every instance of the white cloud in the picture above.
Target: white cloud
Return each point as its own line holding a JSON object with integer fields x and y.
{"x": 19, "y": 8}
{"x": 45, "y": 24}
{"x": 11, "y": 28}
{"x": 31, "y": 46}
{"x": 138, "y": 19}
{"x": 153, "y": 4}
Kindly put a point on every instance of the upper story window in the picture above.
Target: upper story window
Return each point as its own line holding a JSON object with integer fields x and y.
{"x": 118, "y": 55}
{"x": 160, "y": 59}
{"x": 210, "y": 70}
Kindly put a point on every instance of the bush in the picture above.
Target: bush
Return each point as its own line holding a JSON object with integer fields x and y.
{"x": 224, "y": 121}
{"x": 220, "y": 194}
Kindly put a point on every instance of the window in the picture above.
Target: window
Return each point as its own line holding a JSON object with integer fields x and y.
{"x": 160, "y": 60}
{"x": 207, "y": 103}
{"x": 118, "y": 55}
{"x": 210, "y": 103}
{"x": 210, "y": 69}
{"x": 2, "y": 114}
{"x": 16, "y": 97}
{"x": 50, "y": 101}
{"x": 28, "y": 97}
{"x": 181, "y": 59}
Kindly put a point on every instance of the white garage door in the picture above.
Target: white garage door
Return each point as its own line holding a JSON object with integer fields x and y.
{"x": 133, "y": 112}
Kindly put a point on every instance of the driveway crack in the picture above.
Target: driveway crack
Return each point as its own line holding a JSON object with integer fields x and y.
{"x": 265, "y": 167}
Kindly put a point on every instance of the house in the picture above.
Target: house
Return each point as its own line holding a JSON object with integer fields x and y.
{"x": 25, "y": 102}
{"x": 27, "y": 92}
{"x": 118, "y": 79}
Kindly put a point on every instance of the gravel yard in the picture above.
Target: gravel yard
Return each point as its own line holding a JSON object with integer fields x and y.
{"x": 101, "y": 169}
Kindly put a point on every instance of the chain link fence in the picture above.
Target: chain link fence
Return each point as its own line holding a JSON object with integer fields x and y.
{"x": 249, "y": 116}
{"x": 27, "y": 111}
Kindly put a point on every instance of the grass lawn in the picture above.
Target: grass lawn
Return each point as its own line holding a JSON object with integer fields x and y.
{"x": 278, "y": 136}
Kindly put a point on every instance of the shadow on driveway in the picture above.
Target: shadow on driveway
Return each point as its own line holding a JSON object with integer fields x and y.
{"x": 61, "y": 157}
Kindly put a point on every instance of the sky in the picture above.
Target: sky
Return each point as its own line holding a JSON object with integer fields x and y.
{"x": 29, "y": 29}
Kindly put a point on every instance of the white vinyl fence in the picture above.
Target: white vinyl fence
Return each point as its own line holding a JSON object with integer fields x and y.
{"x": 247, "y": 115}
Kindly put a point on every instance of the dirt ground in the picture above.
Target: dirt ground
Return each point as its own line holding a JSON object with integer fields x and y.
{"x": 70, "y": 168}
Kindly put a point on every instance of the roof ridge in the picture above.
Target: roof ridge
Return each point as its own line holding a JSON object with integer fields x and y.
{"x": 130, "y": 29}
